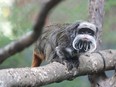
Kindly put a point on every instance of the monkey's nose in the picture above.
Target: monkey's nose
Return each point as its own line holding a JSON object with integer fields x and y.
{"x": 85, "y": 39}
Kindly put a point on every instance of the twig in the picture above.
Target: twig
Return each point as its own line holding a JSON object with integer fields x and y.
{"x": 31, "y": 37}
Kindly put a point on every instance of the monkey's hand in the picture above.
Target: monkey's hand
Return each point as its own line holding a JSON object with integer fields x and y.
{"x": 67, "y": 56}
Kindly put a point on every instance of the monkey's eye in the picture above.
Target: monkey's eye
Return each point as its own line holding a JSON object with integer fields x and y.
{"x": 90, "y": 33}
{"x": 81, "y": 32}
{"x": 86, "y": 31}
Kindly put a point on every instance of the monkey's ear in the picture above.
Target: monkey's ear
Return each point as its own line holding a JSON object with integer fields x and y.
{"x": 97, "y": 29}
{"x": 73, "y": 26}
{"x": 71, "y": 29}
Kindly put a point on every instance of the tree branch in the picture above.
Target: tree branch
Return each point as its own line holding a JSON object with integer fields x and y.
{"x": 96, "y": 12}
{"x": 31, "y": 37}
{"x": 56, "y": 72}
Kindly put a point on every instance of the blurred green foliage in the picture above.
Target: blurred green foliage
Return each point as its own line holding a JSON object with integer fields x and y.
{"x": 19, "y": 18}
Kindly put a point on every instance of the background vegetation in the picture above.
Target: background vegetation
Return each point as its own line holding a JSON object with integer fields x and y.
{"x": 19, "y": 16}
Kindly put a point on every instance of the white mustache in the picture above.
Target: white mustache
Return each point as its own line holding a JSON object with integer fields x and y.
{"x": 80, "y": 45}
{"x": 86, "y": 46}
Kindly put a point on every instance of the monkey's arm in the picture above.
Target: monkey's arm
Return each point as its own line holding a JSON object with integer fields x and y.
{"x": 67, "y": 56}
{"x": 64, "y": 51}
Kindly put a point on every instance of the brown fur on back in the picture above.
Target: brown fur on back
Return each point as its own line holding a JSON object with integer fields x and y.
{"x": 46, "y": 43}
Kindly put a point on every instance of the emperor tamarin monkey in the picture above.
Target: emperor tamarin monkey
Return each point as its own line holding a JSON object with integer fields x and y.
{"x": 65, "y": 44}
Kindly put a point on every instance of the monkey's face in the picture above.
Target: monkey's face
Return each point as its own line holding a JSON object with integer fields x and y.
{"x": 85, "y": 40}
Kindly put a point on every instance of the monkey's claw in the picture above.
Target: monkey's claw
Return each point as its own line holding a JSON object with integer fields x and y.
{"x": 71, "y": 64}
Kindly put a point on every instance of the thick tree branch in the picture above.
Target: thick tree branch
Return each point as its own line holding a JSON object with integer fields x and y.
{"x": 56, "y": 72}
{"x": 30, "y": 37}
{"x": 96, "y": 14}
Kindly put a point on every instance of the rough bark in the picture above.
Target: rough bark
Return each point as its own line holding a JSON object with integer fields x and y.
{"x": 31, "y": 37}
{"x": 96, "y": 14}
{"x": 56, "y": 72}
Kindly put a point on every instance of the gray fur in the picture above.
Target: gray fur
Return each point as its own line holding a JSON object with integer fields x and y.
{"x": 56, "y": 42}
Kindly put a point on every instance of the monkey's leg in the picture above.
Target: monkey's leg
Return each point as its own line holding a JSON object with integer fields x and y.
{"x": 37, "y": 59}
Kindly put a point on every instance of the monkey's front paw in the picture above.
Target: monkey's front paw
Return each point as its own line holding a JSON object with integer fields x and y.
{"x": 71, "y": 64}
